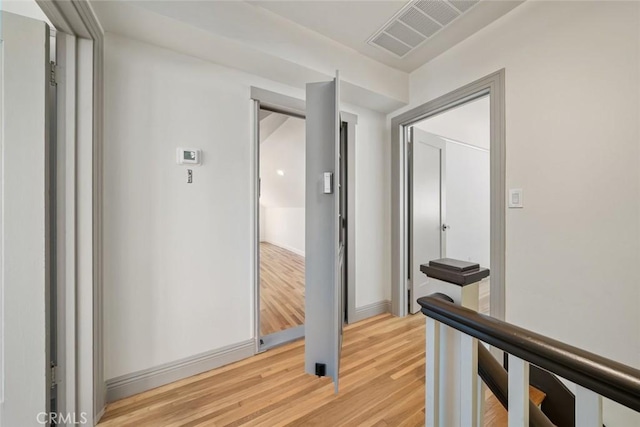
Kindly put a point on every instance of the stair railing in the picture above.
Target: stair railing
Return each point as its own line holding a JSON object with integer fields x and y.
{"x": 595, "y": 376}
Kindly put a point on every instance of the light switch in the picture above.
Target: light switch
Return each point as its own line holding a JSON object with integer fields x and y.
{"x": 515, "y": 198}
{"x": 328, "y": 183}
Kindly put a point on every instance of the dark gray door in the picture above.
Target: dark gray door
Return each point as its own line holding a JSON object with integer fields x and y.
{"x": 324, "y": 264}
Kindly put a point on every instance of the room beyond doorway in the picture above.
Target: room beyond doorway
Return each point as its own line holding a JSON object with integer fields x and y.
{"x": 494, "y": 86}
{"x": 282, "y": 223}
{"x": 449, "y": 196}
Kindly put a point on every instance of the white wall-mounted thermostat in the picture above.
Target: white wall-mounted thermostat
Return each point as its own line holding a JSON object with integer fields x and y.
{"x": 188, "y": 156}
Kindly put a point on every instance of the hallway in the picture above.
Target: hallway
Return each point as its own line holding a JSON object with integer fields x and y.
{"x": 382, "y": 384}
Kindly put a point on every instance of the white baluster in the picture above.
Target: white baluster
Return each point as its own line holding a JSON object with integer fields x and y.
{"x": 432, "y": 395}
{"x": 482, "y": 388}
{"x": 468, "y": 381}
{"x": 518, "y": 392}
{"x": 588, "y": 408}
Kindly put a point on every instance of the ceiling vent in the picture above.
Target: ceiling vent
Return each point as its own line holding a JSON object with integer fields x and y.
{"x": 416, "y": 22}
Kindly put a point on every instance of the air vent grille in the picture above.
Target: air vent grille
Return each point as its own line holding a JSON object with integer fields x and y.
{"x": 438, "y": 10}
{"x": 420, "y": 22}
{"x": 416, "y": 22}
{"x": 405, "y": 34}
{"x": 391, "y": 44}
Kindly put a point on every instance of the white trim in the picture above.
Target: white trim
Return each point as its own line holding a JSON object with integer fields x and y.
{"x": 66, "y": 57}
{"x": 2, "y": 232}
{"x": 370, "y": 310}
{"x": 285, "y": 247}
{"x": 84, "y": 231}
{"x": 147, "y": 379}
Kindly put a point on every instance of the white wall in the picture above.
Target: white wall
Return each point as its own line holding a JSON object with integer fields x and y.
{"x": 373, "y": 208}
{"x": 572, "y": 97}
{"x": 282, "y": 196}
{"x": 27, "y": 8}
{"x": 284, "y": 227}
{"x": 177, "y": 256}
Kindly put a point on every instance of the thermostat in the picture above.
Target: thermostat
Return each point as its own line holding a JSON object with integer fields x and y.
{"x": 188, "y": 156}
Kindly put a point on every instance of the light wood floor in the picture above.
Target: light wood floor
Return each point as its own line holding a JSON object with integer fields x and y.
{"x": 281, "y": 289}
{"x": 381, "y": 384}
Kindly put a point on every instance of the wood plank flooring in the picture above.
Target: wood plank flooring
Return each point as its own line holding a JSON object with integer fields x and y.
{"x": 281, "y": 289}
{"x": 381, "y": 384}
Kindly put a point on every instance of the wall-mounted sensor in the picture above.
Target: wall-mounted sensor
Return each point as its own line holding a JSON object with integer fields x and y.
{"x": 188, "y": 156}
{"x": 328, "y": 183}
{"x": 515, "y": 198}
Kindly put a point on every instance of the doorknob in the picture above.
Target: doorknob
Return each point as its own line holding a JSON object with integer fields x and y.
{"x": 445, "y": 227}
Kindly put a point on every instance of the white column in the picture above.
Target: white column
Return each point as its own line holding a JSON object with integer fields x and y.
{"x": 432, "y": 374}
{"x": 588, "y": 408}
{"x": 518, "y": 392}
{"x": 450, "y": 356}
{"x": 468, "y": 380}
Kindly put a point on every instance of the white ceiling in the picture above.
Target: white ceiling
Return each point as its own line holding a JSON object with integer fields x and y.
{"x": 28, "y": 8}
{"x": 239, "y": 35}
{"x": 352, "y": 23}
{"x": 468, "y": 123}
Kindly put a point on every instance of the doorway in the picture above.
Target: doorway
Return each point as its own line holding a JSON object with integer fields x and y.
{"x": 282, "y": 224}
{"x": 448, "y": 209}
{"x": 281, "y": 186}
{"x": 402, "y": 127}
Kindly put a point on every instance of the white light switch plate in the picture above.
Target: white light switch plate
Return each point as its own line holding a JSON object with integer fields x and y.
{"x": 515, "y": 198}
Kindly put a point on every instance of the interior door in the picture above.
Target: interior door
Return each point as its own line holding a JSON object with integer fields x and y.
{"x": 427, "y": 232}
{"x": 24, "y": 231}
{"x": 324, "y": 250}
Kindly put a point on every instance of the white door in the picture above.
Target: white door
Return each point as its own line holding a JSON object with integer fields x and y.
{"x": 427, "y": 232}
{"x": 24, "y": 232}
{"x": 324, "y": 254}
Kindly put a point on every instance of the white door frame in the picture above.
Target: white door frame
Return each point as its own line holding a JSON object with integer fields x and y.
{"x": 80, "y": 41}
{"x": 493, "y": 85}
{"x": 296, "y": 107}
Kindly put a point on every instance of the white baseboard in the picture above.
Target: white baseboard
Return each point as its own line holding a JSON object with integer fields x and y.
{"x": 371, "y": 310}
{"x": 137, "y": 382}
{"x": 289, "y": 248}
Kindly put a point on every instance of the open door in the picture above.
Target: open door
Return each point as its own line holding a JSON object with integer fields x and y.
{"x": 324, "y": 284}
{"x": 24, "y": 232}
{"x": 427, "y": 229}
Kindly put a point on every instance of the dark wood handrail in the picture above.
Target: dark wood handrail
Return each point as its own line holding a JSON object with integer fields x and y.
{"x": 610, "y": 379}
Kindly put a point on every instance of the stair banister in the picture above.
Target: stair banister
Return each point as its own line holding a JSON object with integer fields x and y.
{"x": 451, "y": 354}
{"x": 594, "y": 375}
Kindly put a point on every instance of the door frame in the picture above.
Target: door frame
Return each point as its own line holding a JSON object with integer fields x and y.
{"x": 80, "y": 116}
{"x": 276, "y": 102}
{"x": 493, "y": 85}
